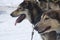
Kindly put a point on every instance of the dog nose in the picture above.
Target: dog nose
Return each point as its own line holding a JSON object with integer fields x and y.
{"x": 11, "y": 14}
{"x": 36, "y": 28}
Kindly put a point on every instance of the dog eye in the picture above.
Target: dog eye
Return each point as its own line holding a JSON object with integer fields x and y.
{"x": 46, "y": 18}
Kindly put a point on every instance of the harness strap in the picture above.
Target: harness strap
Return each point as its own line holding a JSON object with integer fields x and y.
{"x": 32, "y": 33}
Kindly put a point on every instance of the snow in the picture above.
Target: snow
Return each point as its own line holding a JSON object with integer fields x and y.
{"x": 8, "y": 31}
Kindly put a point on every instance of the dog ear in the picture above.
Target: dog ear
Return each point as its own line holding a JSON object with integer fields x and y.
{"x": 54, "y": 14}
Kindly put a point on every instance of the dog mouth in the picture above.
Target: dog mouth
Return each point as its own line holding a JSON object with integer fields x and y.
{"x": 47, "y": 28}
{"x": 20, "y": 18}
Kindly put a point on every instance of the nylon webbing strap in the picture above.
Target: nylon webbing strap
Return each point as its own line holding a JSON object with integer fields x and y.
{"x": 32, "y": 33}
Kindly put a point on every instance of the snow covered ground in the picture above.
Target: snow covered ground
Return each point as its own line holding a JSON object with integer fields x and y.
{"x": 8, "y": 31}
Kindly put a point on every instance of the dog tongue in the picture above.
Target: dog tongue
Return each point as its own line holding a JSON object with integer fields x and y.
{"x": 20, "y": 18}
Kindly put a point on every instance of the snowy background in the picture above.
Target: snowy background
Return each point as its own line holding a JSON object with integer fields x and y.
{"x": 8, "y": 31}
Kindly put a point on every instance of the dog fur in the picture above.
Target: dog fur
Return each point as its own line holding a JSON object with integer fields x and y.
{"x": 32, "y": 11}
{"x": 50, "y": 21}
{"x": 50, "y": 4}
{"x": 49, "y": 35}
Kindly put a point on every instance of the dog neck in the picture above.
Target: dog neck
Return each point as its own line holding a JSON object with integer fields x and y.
{"x": 35, "y": 12}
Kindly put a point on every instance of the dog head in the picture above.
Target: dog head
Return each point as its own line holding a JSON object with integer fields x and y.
{"x": 28, "y": 10}
{"x": 23, "y": 11}
{"x": 50, "y": 21}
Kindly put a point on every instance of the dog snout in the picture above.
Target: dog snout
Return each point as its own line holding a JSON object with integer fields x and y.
{"x": 12, "y": 15}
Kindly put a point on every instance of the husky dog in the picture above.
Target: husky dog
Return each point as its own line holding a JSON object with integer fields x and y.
{"x": 50, "y": 21}
{"x": 49, "y": 4}
{"x": 31, "y": 11}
